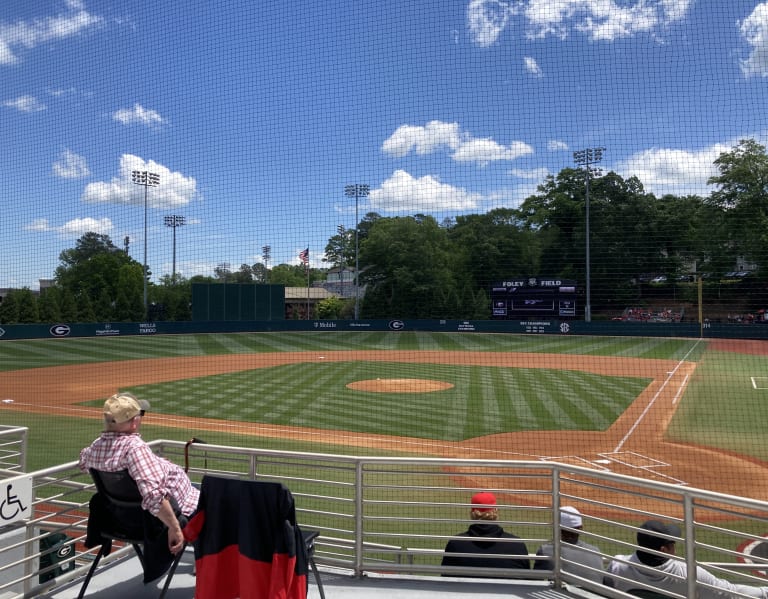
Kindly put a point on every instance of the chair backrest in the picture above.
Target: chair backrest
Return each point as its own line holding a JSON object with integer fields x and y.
{"x": 254, "y": 520}
{"x": 118, "y": 487}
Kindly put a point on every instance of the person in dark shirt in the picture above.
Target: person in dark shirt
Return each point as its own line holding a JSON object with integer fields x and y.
{"x": 490, "y": 545}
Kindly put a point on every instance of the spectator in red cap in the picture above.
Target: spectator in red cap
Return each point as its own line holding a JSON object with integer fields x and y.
{"x": 485, "y": 544}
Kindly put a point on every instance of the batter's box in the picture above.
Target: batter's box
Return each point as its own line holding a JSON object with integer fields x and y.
{"x": 574, "y": 460}
{"x": 633, "y": 460}
{"x": 759, "y": 382}
{"x": 662, "y": 478}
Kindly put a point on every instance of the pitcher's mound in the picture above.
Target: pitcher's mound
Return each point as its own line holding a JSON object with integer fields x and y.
{"x": 400, "y": 385}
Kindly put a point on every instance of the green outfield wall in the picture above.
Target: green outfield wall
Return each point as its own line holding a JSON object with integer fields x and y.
{"x": 529, "y": 326}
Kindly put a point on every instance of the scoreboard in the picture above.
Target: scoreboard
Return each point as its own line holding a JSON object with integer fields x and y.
{"x": 533, "y": 296}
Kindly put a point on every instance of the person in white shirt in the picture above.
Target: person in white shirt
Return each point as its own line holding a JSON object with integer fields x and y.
{"x": 668, "y": 574}
{"x": 589, "y": 563}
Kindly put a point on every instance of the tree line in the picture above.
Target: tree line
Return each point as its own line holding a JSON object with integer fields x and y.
{"x": 417, "y": 267}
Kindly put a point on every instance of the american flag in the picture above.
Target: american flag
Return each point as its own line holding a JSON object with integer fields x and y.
{"x": 304, "y": 256}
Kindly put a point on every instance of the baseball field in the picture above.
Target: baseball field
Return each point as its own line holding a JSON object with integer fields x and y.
{"x": 685, "y": 411}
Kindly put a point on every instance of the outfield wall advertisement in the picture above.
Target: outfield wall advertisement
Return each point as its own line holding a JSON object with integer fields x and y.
{"x": 533, "y": 326}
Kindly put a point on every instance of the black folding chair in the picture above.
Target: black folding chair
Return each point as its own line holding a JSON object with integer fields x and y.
{"x": 309, "y": 537}
{"x": 254, "y": 519}
{"x": 116, "y": 515}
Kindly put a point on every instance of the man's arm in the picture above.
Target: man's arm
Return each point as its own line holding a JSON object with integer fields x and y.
{"x": 167, "y": 517}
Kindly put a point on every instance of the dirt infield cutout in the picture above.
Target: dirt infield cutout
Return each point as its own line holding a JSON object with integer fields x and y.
{"x": 399, "y": 385}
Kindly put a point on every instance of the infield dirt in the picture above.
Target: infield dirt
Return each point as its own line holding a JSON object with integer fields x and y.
{"x": 635, "y": 444}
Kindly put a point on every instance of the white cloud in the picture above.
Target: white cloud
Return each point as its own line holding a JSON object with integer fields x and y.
{"x": 486, "y": 20}
{"x": 74, "y": 228}
{"x": 71, "y": 166}
{"x": 39, "y": 224}
{"x": 138, "y": 115}
{"x": 404, "y": 193}
{"x": 424, "y": 140}
{"x": 484, "y": 151}
{"x": 555, "y": 145}
{"x": 34, "y": 32}
{"x": 754, "y": 30}
{"x": 673, "y": 171}
{"x": 437, "y": 135}
{"x": 538, "y": 174}
{"x": 598, "y": 19}
{"x": 532, "y": 66}
{"x": 25, "y": 104}
{"x": 173, "y": 191}
{"x": 80, "y": 226}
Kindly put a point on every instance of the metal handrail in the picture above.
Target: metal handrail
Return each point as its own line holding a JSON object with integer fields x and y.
{"x": 394, "y": 514}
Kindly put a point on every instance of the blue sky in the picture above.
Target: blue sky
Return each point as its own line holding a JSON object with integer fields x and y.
{"x": 257, "y": 114}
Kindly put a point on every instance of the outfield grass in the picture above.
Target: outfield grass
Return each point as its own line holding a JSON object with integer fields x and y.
{"x": 720, "y": 407}
{"x": 483, "y": 400}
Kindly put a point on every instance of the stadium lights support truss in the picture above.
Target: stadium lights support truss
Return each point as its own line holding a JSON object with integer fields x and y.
{"x": 148, "y": 180}
{"x": 175, "y": 221}
{"x": 266, "y": 255}
{"x": 357, "y": 191}
{"x": 586, "y": 158}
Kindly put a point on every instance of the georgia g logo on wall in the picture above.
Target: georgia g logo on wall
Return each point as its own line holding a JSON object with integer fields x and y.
{"x": 60, "y": 330}
{"x": 396, "y": 325}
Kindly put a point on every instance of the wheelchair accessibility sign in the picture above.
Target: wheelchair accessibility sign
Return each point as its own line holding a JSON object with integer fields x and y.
{"x": 15, "y": 499}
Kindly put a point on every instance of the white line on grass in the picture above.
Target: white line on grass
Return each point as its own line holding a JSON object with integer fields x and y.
{"x": 655, "y": 397}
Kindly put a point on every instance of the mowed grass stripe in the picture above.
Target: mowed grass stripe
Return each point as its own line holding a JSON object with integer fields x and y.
{"x": 484, "y": 400}
{"x": 37, "y": 353}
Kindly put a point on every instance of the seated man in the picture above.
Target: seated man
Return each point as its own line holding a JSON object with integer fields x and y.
{"x": 120, "y": 447}
{"x": 667, "y": 574}
{"x": 572, "y": 549}
{"x": 486, "y": 539}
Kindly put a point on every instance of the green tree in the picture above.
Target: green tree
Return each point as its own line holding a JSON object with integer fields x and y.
{"x": 130, "y": 292}
{"x": 9, "y": 308}
{"x": 48, "y": 305}
{"x": 291, "y": 275}
{"x": 68, "y": 306}
{"x": 742, "y": 193}
{"x": 407, "y": 265}
{"x": 85, "y": 311}
{"x": 104, "y": 308}
{"x": 492, "y": 247}
{"x": 92, "y": 266}
{"x": 330, "y": 308}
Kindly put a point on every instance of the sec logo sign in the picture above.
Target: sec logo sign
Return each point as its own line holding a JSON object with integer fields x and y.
{"x": 60, "y": 330}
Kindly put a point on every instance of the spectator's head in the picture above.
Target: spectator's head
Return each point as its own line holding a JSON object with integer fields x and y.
{"x": 123, "y": 412}
{"x": 655, "y": 535}
{"x": 570, "y": 517}
{"x": 484, "y": 506}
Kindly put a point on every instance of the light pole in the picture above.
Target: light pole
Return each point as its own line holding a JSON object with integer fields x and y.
{"x": 357, "y": 190}
{"x": 341, "y": 230}
{"x": 585, "y": 158}
{"x": 266, "y": 254}
{"x": 146, "y": 179}
{"x": 174, "y": 220}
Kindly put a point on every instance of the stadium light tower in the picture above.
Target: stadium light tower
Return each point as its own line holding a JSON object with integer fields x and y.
{"x": 586, "y": 158}
{"x": 357, "y": 191}
{"x": 175, "y": 221}
{"x": 266, "y": 255}
{"x": 148, "y": 180}
{"x": 341, "y": 231}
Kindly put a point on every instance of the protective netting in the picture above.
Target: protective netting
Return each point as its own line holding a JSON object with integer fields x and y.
{"x": 470, "y": 160}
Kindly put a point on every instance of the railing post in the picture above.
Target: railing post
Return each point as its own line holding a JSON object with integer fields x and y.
{"x": 690, "y": 543}
{"x": 557, "y": 579}
{"x": 359, "y": 518}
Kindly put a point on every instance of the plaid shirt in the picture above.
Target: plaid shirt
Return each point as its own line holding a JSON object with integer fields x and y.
{"x": 156, "y": 477}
